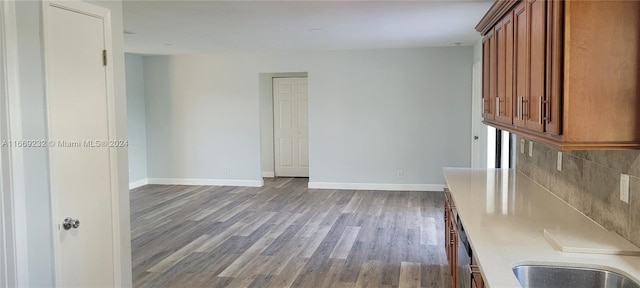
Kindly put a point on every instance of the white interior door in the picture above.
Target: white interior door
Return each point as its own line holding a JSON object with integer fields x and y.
{"x": 78, "y": 108}
{"x": 478, "y": 130}
{"x": 291, "y": 127}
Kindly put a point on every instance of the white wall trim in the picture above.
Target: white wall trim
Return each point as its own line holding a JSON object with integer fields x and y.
{"x": 377, "y": 186}
{"x": 14, "y": 201}
{"x": 268, "y": 174}
{"x": 139, "y": 183}
{"x": 203, "y": 182}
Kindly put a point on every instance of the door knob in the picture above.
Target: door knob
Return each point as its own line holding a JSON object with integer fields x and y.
{"x": 69, "y": 223}
{"x": 475, "y": 137}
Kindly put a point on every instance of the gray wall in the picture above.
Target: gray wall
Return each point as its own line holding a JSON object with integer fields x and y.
{"x": 266, "y": 118}
{"x": 32, "y": 91}
{"x": 371, "y": 112}
{"x": 590, "y": 182}
{"x": 136, "y": 118}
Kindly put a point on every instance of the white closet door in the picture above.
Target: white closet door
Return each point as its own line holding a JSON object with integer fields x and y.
{"x": 291, "y": 127}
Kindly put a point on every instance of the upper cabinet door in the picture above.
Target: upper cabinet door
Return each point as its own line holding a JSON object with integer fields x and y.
{"x": 537, "y": 34}
{"x": 486, "y": 47}
{"x": 520, "y": 66}
{"x": 554, "y": 66}
{"x": 529, "y": 20}
{"x": 488, "y": 76}
{"x": 504, "y": 61}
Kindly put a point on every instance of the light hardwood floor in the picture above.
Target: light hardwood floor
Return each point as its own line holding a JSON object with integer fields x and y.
{"x": 285, "y": 235}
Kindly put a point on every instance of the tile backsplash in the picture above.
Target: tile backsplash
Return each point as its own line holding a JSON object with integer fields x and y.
{"x": 590, "y": 182}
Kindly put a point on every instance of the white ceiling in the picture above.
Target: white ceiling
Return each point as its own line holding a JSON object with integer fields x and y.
{"x": 182, "y": 27}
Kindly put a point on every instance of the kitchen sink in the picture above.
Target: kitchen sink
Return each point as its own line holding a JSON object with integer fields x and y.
{"x": 546, "y": 276}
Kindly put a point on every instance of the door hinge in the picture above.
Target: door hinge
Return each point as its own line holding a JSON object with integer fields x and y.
{"x": 104, "y": 57}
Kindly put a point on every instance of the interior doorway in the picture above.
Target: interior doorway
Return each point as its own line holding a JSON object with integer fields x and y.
{"x": 291, "y": 127}
{"x": 267, "y": 149}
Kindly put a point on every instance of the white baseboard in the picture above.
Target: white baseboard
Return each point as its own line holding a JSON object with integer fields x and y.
{"x": 139, "y": 183}
{"x": 206, "y": 182}
{"x": 377, "y": 186}
{"x": 268, "y": 174}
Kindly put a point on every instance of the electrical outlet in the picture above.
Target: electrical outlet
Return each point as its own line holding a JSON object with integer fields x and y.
{"x": 521, "y": 146}
{"x": 226, "y": 170}
{"x": 530, "y": 148}
{"x": 559, "y": 161}
{"x": 624, "y": 188}
{"x": 400, "y": 173}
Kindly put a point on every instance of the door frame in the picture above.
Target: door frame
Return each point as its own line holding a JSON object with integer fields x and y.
{"x": 13, "y": 235}
{"x": 104, "y": 13}
{"x": 273, "y": 118}
{"x": 267, "y": 153}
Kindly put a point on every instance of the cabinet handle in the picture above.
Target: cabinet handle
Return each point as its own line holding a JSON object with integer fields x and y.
{"x": 547, "y": 116}
{"x": 499, "y": 106}
{"x": 525, "y": 107}
{"x": 519, "y": 108}
{"x": 540, "y": 110}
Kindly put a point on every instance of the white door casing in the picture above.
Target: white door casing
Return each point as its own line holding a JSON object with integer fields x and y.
{"x": 5, "y": 202}
{"x": 13, "y": 259}
{"x": 291, "y": 127}
{"x": 82, "y": 153}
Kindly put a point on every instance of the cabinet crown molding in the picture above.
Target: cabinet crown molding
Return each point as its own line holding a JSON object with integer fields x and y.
{"x": 495, "y": 13}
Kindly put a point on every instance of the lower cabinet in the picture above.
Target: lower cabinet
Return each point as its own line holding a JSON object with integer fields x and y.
{"x": 451, "y": 237}
{"x": 476, "y": 275}
{"x": 451, "y": 243}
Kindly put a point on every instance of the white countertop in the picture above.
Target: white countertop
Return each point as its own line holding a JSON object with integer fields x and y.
{"x": 504, "y": 214}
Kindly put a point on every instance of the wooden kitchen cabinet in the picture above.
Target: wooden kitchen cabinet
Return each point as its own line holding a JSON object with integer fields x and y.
{"x": 529, "y": 40}
{"x": 476, "y": 276}
{"x": 451, "y": 245}
{"x": 521, "y": 34}
{"x": 574, "y": 75}
{"x": 536, "y": 34}
{"x": 451, "y": 237}
{"x": 520, "y": 64}
{"x": 488, "y": 76}
{"x": 504, "y": 53}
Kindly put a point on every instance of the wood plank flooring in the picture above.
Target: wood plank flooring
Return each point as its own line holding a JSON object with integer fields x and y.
{"x": 285, "y": 235}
